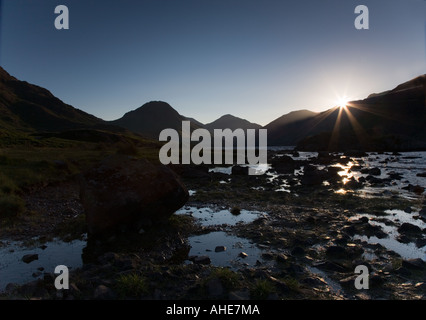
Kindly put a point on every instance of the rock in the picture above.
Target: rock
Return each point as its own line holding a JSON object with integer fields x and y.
{"x": 282, "y": 258}
{"x": 202, "y": 260}
{"x": 414, "y": 264}
{"x": 416, "y": 189}
{"x": 189, "y": 171}
{"x": 239, "y": 171}
{"x": 312, "y": 176}
{"x": 375, "y": 172}
{"x": 284, "y": 164}
{"x": 330, "y": 266}
{"x": 220, "y": 249}
{"x": 403, "y": 239}
{"x": 422, "y": 212}
{"x": 355, "y": 154}
{"x": 408, "y": 228}
{"x": 408, "y": 210}
{"x": 420, "y": 242}
{"x": 422, "y": 174}
{"x": 371, "y": 230}
{"x": 267, "y": 255}
{"x": 348, "y": 282}
{"x": 376, "y": 280}
{"x": 403, "y": 272}
{"x": 125, "y": 191}
{"x": 243, "y": 255}
{"x": 336, "y": 251}
{"x": 297, "y": 251}
{"x": 103, "y": 293}
{"x": 353, "y": 184}
{"x": 395, "y": 176}
{"x": 28, "y": 258}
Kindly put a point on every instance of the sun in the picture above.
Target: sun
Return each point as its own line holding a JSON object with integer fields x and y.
{"x": 342, "y": 102}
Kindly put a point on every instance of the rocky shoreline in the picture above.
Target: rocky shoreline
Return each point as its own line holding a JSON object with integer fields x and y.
{"x": 310, "y": 239}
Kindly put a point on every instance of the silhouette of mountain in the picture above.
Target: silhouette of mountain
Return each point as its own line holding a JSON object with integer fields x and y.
{"x": 29, "y": 107}
{"x": 151, "y": 118}
{"x": 27, "y": 110}
{"x": 283, "y": 130}
{"x": 231, "y": 122}
{"x": 393, "y": 120}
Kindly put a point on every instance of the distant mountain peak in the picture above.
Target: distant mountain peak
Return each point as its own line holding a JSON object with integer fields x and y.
{"x": 229, "y": 121}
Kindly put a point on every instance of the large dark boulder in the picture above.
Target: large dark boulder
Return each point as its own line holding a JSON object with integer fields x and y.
{"x": 124, "y": 193}
{"x": 283, "y": 164}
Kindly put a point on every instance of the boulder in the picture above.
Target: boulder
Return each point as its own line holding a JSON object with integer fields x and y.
{"x": 414, "y": 264}
{"x": 28, "y": 258}
{"x": 240, "y": 171}
{"x": 312, "y": 176}
{"x": 284, "y": 164}
{"x": 408, "y": 228}
{"x": 123, "y": 193}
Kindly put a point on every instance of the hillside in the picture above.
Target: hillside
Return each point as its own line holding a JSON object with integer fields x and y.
{"x": 29, "y": 112}
{"x": 151, "y": 118}
{"x": 283, "y": 130}
{"x": 391, "y": 120}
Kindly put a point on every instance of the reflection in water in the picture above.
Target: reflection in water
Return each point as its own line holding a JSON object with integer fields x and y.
{"x": 50, "y": 255}
{"x": 205, "y": 245}
{"x": 389, "y": 225}
{"x": 209, "y": 217}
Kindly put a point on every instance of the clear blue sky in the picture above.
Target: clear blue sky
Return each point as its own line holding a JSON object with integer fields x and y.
{"x": 256, "y": 59}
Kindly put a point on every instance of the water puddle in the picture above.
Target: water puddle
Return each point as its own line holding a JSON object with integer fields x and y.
{"x": 209, "y": 216}
{"x": 50, "y": 255}
{"x": 334, "y": 286}
{"x": 238, "y": 252}
{"x": 390, "y": 224}
{"x": 223, "y": 249}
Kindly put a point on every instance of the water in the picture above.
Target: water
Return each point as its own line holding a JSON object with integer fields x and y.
{"x": 205, "y": 245}
{"x": 394, "y": 219}
{"x": 209, "y": 216}
{"x": 14, "y": 270}
{"x": 407, "y": 165}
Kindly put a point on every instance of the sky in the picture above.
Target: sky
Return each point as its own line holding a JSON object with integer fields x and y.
{"x": 255, "y": 59}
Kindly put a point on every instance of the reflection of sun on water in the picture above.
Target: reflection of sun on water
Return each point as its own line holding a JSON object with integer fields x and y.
{"x": 345, "y": 172}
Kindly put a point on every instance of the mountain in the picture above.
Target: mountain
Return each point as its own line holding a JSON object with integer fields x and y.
{"x": 28, "y": 107}
{"x": 231, "y": 122}
{"x": 28, "y": 111}
{"x": 391, "y": 120}
{"x": 279, "y": 130}
{"x": 151, "y": 118}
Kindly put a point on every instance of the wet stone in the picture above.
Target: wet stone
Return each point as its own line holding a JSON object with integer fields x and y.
{"x": 28, "y": 258}
{"x": 220, "y": 249}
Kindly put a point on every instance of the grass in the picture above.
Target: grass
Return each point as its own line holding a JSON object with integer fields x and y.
{"x": 228, "y": 278}
{"x": 262, "y": 289}
{"x": 131, "y": 285}
{"x": 11, "y": 206}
